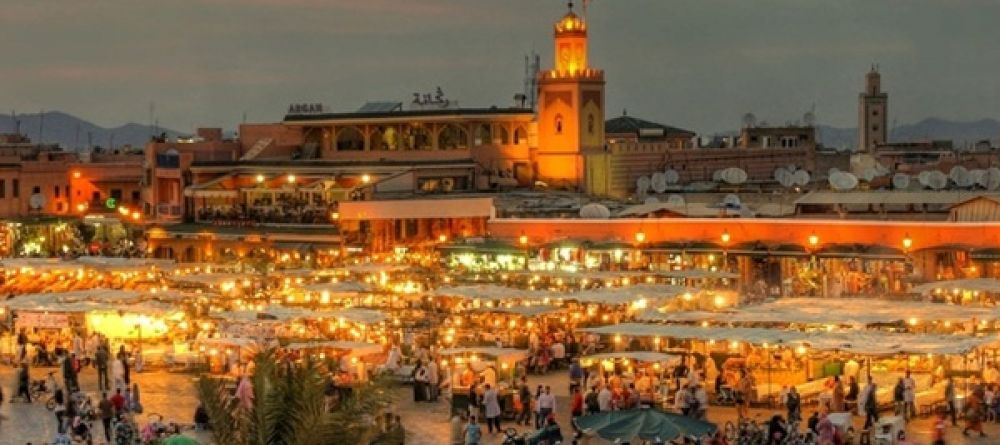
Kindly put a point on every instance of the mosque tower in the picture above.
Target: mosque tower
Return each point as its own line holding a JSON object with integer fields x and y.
{"x": 873, "y": 110}
{"x": 570, "y": 107}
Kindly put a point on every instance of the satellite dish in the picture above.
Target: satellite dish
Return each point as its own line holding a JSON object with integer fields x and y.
{"x": 37, "y": 201}
{"x": 960, "y": 176}
{"x": 749, "y": 120}
{"x": 651, "y": 200}
{"x": 659, "y": 182}
{"x": 671, "y": 176}
{"x": 800, "y": 178}
{"x": 717, "y": 175}
{"x": 924, "y": 178}
{"x": 868, "y": 174}
{"x": 733, "y": 175}
{"x": 832, "y": 171}
{"x": 992, "y": 178}
{"x": 642, "y": 185}
{"x": 843, "y": 181}
{"x": 780, "y": 172}
{"x": 937, "y": 180}
{"x": 595, "y": 211}
{"x": 731, "y": 200}
{"x": 978, "y": 177}
{"x": 900, "y": 181}
{"x": 678, "y": 200}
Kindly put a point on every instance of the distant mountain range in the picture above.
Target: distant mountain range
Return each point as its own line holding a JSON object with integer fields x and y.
{"x": 960, "y": 132}
{"x": 72, "y": 132}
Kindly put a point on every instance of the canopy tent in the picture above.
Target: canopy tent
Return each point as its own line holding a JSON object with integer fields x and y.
{"x": 375, "y": 268}
{"x": 338, "y": 288}
{"x": 491, "y": 292}
{"x": 637, "y": 356}
{"x": 523, "y": 311}
{"x": 990, "y": 285}
{"x": 839, "y": 311}
{"x": 859, "y": 342}
{"x": 119, "y": 263}
{"x": 642, "y": 424}
{"x": 506, "y": 355}
{"x": 227, "y": 342}
{"x": 353, "y": 347}
{"x": 211, "y": 279}
{"x": 628, "y": 294}
{"x": 284, "y": 313}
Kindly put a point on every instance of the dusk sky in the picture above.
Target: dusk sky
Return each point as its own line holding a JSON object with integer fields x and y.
{"x": 697, "y": 64}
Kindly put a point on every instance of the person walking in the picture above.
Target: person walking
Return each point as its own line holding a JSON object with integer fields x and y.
{"x": 60, "y": 409}
{"x": 794, "y": 405}
{"x": 576, "y": 406}
{"x": 492, "y": 408}
{"x": 473, "y": 433}
{"x": 837, "y": 401}
{"x": 101, "y": 363}
{"x": 524, "y": 393}
{"x": 107, "y": 412}
{"x": 123, "y": 358}
{"x": 899, "y": 398}
{"x": 591, "y": 401}
{"x": 974, "y": 413}
{"x": 546, "y": 405}
{"x": 117, "y": 373}
{"x": 910, "y": 395}
{"x": 420, "y": 382}
{"x": 871, "y": 404}
{"x": 949, "y": 397}
{"x": 69, "y": 374}
{"x": 24, "y": 383}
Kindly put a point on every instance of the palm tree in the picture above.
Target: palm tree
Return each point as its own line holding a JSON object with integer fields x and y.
{"x": 288, "y": 407}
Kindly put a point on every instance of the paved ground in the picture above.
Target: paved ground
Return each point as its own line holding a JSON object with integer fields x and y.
{"x": 172, "y": 395}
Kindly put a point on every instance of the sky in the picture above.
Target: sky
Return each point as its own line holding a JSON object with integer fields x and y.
{"x": 695, "y": 64}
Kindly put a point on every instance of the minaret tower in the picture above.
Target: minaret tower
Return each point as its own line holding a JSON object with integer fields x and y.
{"x": 873, "y": 110}
{"x": 570, "y": 106}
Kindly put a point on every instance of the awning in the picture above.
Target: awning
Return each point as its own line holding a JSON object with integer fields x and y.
{"x": 196, "y": 193}
{"x": 992, "y": 253}
{"x": 417, "y": 209}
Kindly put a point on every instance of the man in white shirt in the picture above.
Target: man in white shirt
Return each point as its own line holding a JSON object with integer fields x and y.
{"x": 559, "y": 353}
{"x": 604, "y": 399}
{"x": 910, "y": 394}
{"x": 432, "y": 380}
{"x": 546, "y": 404}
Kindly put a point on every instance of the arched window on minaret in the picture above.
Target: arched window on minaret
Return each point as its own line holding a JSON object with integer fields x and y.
{"x": 558, "y": 122}
{"x": 590, "y": 124}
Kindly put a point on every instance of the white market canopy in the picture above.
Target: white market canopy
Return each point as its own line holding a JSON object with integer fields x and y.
{"x": 284, "y": 313}
{"x": 210, "y": 279}
{"x": 338, "y": 288}
{"x": 989, "y": 285}
{"x": 500, "y": 354}
{"x": 832, "y": 311}
{"x": 491, "y": 292}
{"x": 375, "y": 268}
{"x": 637, "y": 356}
{"x": 859, "y": 342}
{"x": 628, "y": 294}
{"x": 353, "y": 347}
{"x": 91, "y": 300}
{"x": 523, "y": 311}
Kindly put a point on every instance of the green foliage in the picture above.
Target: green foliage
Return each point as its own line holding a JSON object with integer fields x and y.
{"x": 288, "y": 407}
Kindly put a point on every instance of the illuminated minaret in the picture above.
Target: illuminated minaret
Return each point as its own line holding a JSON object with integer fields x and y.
{"x": 570, "y": 106}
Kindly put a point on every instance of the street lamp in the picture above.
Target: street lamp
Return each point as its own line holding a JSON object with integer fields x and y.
{"x": 907, "y": 243}
{"x": 725, "y": 237}
{"x": 640, "y": 237}
{"x": 260, "y": 179}
{"x": 813, "y": 240}
{"x": 725, "y": 250}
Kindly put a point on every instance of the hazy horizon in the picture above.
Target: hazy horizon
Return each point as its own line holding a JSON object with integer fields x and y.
{"x": 694, "y": 64}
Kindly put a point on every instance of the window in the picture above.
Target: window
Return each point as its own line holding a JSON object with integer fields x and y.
{"x": 135, "y": 195}
{"x": 874, "y": 127}
{"x": 3, "y": 188}
{"x": 95, "y": 197}
{"x": 116, "y": 194}
{"x": 875, "y": 112}
{"x": 67, "y": 191}
{"x": 16, "y": 188}
{"x": 558, "y": 124}
{"x": 56, "y": 188}
{"x": 590, "y": 124}
{"x": 36, "y": 190}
